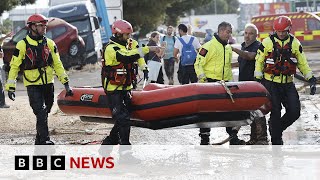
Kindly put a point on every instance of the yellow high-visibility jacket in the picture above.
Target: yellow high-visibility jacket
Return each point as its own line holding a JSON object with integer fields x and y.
{"x": 34, "y": 74}
{"x": 266, "y": 48}
{"x": 214, "y": 61}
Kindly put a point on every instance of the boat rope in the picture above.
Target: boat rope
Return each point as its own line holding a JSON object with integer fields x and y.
{"x": 223, "y": 83}
{"x": 228, "y": 138}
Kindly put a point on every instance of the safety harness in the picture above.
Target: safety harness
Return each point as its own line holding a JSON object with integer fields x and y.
{"x": 37, "y": 57}
{"x": 281, "y": 60}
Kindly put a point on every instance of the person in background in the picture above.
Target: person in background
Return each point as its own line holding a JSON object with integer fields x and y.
{"x": 156, "y": 56}
{"x": 278, "y": 57}
{"x": 168, "y": 58}
{"x": 2, "y": 96}
{"x": 246, "y": 59}
{"x": 187, "y": 46}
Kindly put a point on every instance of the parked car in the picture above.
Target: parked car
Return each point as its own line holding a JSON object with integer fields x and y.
{"x": 70, "y": 45}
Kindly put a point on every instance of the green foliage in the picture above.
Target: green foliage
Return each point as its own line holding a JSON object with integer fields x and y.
{"x": 6, "y": 5}
{"x": 146, "y": 15}
{"x": 222, "y": 7}
{"x": 6, "y": 26}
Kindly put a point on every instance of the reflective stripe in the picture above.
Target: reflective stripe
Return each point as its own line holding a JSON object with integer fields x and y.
{"x": 10, "y": 81}
{"x": 294, "y": 60}
{"x": 269, "y": 61}
{"x": 258, "y": 74}
{"x": 140, "y": 52}
{"x": 308, "y": 76}
{"x": 121, "y": 71}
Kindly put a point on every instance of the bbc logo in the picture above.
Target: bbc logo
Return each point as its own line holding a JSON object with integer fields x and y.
{"x": 39, "y": 162}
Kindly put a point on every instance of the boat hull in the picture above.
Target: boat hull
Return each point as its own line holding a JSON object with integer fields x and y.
{"x": 161, "y": 106}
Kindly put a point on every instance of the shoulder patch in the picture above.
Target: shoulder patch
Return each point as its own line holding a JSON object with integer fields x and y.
{"x": 203, "y": 52}
{"x": 116, "y": 48}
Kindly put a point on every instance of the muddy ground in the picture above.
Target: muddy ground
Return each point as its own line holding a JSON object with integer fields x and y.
{"x": 18, "y": 122}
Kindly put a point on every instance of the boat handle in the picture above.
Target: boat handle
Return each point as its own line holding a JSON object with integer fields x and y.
{"x": 233, "y": 86}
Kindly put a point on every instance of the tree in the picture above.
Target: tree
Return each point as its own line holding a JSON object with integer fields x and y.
{"x": 6, "y": 5}
{"x": 222, "y": 7}
{"x": 146, "y": 15}
{"x": 6, "y": 26}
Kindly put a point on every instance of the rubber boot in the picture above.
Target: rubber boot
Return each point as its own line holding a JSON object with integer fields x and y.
{"x": 205, "y": 136}
{"x": 113, "y": 138}
{"x": 277, "y": 141}
{"x": 233, "y": 133}
{"x": 253, "y": 134}
{"x": 124, "y": 133}
{"x": 261, "y": 131}
{"x": 126, "y": 155}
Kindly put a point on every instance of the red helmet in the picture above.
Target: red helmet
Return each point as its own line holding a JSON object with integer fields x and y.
{"x": 121, "y": 27}
{"x": 282, "y": 23}
{"x": 37, "y": 18}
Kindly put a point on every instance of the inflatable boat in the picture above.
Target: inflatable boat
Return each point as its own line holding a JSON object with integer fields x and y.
{"x": 158, "y": 106}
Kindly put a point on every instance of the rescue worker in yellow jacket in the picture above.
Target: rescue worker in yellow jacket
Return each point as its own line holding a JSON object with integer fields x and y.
{"x": 38, "y": 57}
{"x": 213, "y": 64}
{"x": 278, "y": 57}
{"x": 118, "y": 75}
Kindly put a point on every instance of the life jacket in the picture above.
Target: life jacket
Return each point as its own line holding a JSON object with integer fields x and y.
{"x": 121, "y": 74}
{"x": 37, "y": 56}
{"x": 281, "y": 60}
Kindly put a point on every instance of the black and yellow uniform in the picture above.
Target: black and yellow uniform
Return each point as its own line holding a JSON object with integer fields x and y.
{"x": 119, "y": 73}
{"x": 38, "y": 57}
{"x": 276, "y": 64}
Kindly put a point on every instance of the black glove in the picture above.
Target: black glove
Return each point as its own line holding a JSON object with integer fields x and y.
{"x": 69, "y": 91}
{"x": 12, "y": 95}
{"x": 313, "y": 83}
{"x": 146, "y": 74}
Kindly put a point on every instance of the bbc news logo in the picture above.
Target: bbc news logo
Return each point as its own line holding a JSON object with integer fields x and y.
{"x": 59, "y": 162}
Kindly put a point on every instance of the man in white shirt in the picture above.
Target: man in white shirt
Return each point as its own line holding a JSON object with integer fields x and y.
{"x": 187, "y": 57}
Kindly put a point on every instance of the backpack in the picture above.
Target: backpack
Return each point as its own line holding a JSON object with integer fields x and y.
{"x": 174, "y": 39}
{"x": 188, "y": 54}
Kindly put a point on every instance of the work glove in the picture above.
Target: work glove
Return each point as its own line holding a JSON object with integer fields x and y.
{"x": 146, "y": 74}
{"x": 69, "y": 91}
{"x": 12, "y": 95}
{"x": 313, "y": 83}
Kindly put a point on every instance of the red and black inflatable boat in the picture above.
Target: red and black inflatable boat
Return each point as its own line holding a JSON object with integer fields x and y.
{"x": 188, "y": 106}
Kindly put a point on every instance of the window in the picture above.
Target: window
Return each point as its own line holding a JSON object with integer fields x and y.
{"x": 313, "y": 24}
{"x": 20, "y": 35}
{"x": 58, "y": 31}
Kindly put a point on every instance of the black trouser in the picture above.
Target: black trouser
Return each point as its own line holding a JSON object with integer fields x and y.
{"x": 41, "y": 99}
{"x": 188, "y": 74}
{"x": 119, "y": 104}
{"x": 287, "y": 95}
{"x": 169, "y": 67}
{"x": 205, "y": 132}
{"x": 2, "y": 97}
{"x": 160, "y": 79}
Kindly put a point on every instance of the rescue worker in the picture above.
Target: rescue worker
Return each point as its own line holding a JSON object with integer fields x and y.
{"x": 38, "y": 57}
{"x": 278, "y": 57}
{"x": 120, "y": 55}
{"x": 213, "y": 64}
{"x": 246, "y": 59}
